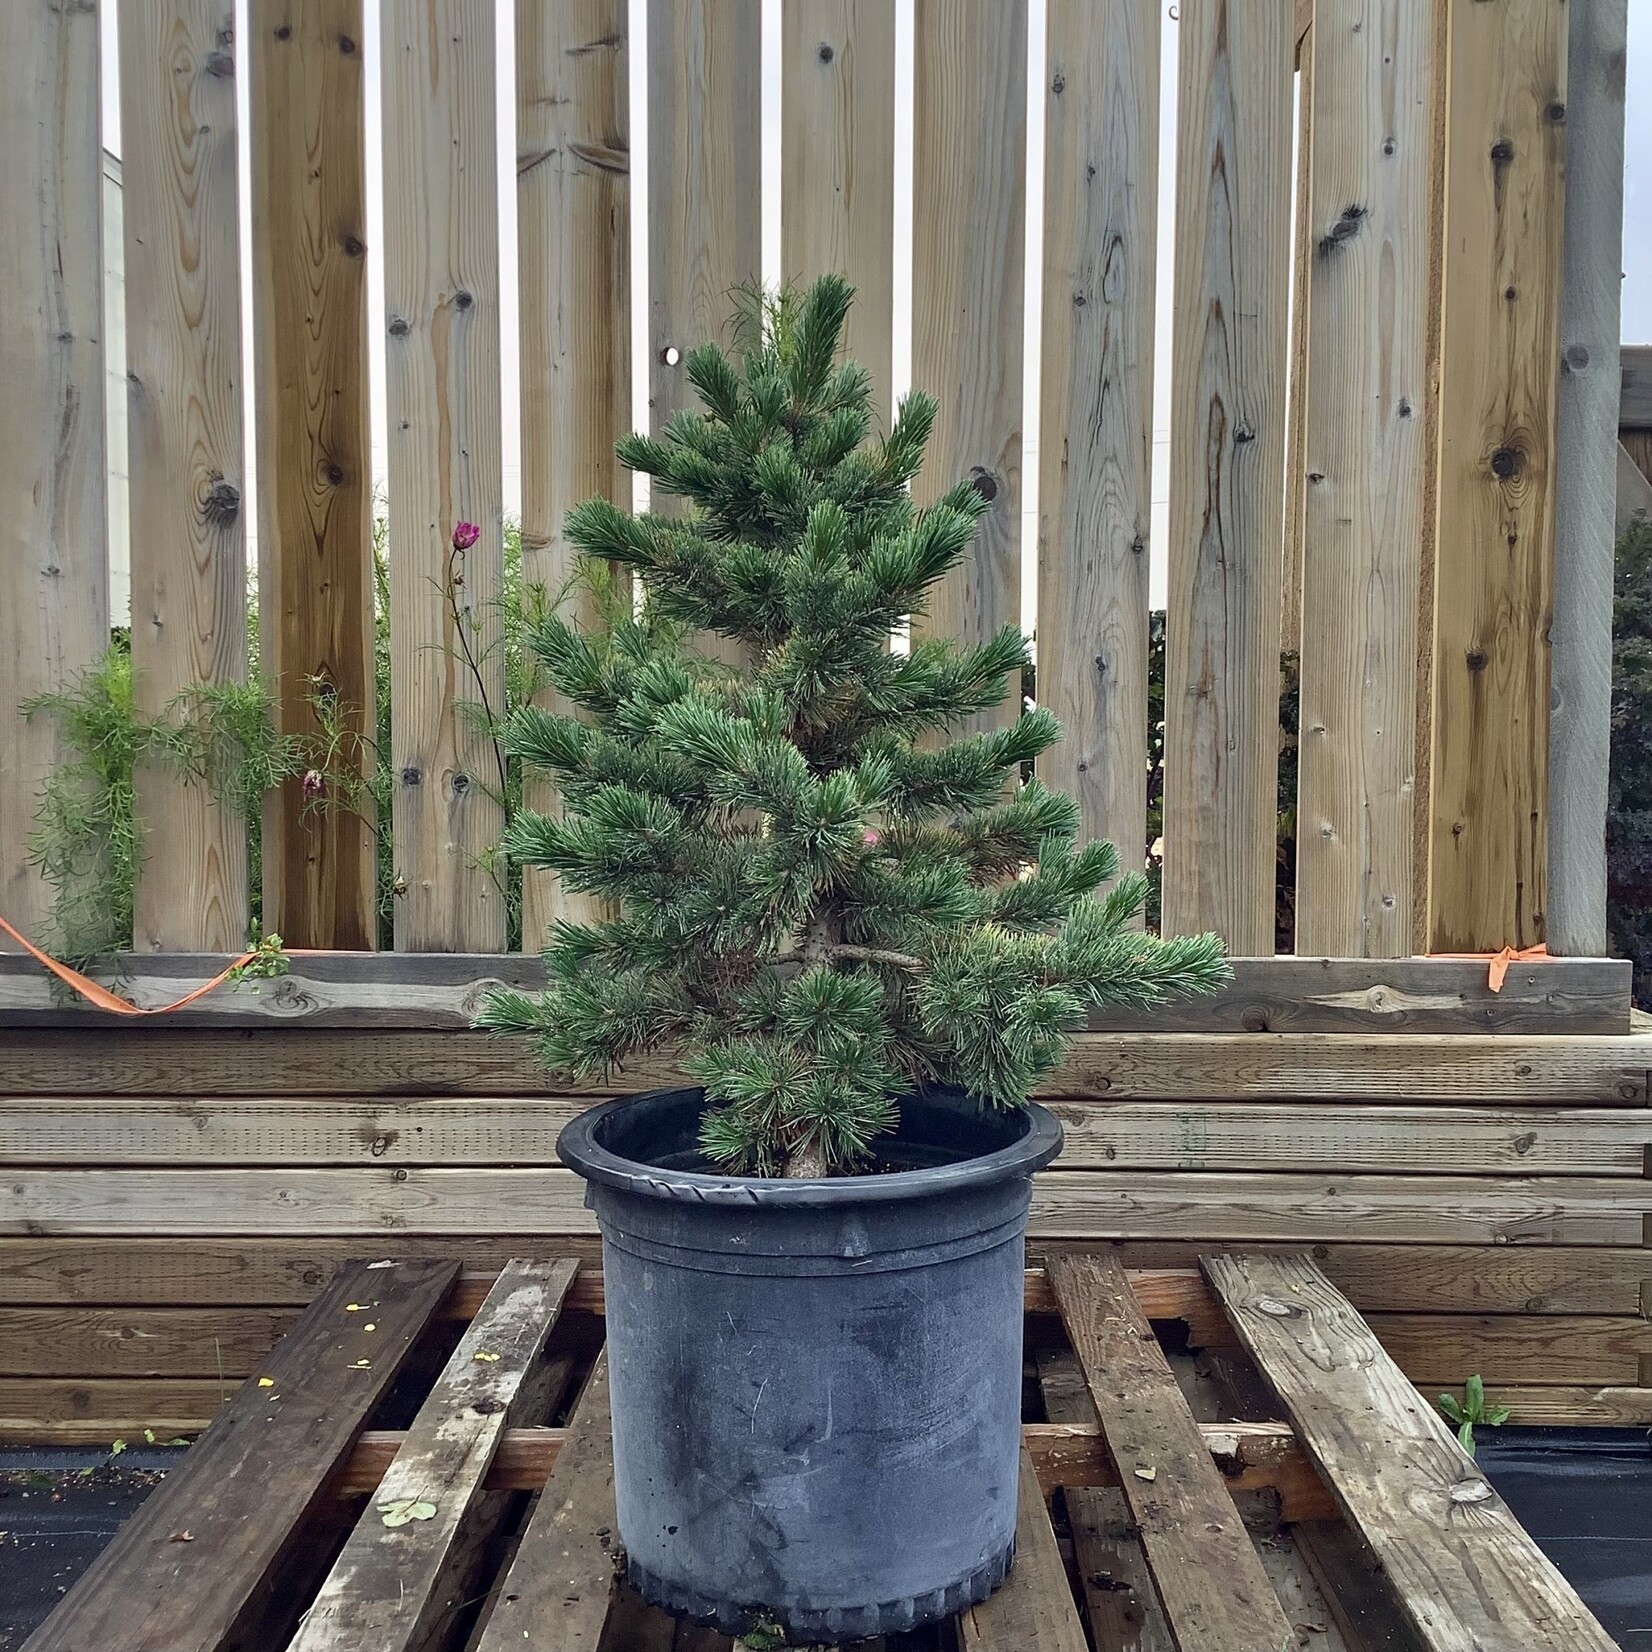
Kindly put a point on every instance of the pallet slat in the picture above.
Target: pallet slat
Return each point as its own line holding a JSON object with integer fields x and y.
{"x": 1033, "y": 1610}
{"x": 393, "y": 1585}
{"x": 1215, "y": 1595}
{"x": 149, "y": 1590}
{"x": 556, "y": 1593}
{"x": 1462, "y": 1570}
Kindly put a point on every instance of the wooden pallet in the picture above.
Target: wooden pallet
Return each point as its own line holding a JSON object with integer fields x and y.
{"x": 389, "y": 1482}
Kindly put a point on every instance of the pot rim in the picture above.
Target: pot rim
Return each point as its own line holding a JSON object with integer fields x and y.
{"x": 579, "y": 1149}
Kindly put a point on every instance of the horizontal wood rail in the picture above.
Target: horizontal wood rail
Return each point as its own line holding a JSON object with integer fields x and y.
{"x": 445, "y": 990}
{"x": 1251, "y": 1456}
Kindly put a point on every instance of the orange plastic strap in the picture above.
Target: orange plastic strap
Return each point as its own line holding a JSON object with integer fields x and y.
{"x": 1498, "y": 963}
{"x": 101, "y": 997}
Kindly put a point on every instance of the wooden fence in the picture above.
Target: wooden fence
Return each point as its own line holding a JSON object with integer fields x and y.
{"x": 1367, "y": 477}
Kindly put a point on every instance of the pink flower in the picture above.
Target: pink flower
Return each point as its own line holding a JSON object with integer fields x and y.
{"x": 465, "y": 534}
{"x": 312, "y": 785}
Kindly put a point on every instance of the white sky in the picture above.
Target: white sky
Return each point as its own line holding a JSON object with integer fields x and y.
{"x": 1637, "y": 289}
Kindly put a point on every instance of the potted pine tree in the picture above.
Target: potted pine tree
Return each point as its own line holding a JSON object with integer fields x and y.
{"x": 865, "y": 944}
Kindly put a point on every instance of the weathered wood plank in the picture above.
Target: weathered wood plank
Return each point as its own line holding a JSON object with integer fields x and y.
{"x": 1462, "y": 1570}
{"x": 1101, "y": 149}
{"x": 244, "y": 1491}
{"x": 1338, "y": 1137}
{"x": 1213, "y": 1590}
{"x": 393, "y": 1585}
{"x": 704, "y": 182}
{"x": 1635, "y": 387}
{"x": 1519, "y": 1072}
{"x": 573, "y": 232}
{"x": 1634, "y": 494}
{"x": 1114, "y": 1582}
{"x": 837, "y": 156}
{"x": 441, "y": 295}
{"x": 54, "y": 598}
{"x": 436, "y": 990}
{"x": 276, "y": 1272}
{"x": 1033, "y": 1610}
{"x": 139, "y": 1342}
{"x": 315, "y": 493}
{"x": 559, "y": 1585}
{"x": 1364, "y": 456}
{"x": 1505, "y": 152}
{"x": 1227, "y": 461}
{"x": 1067, "y": 1204}
{"x": 183, "y": 370}
{"x": 1586, "y": 420}
{"x": 1573, "y": 1350}
{"x": 969, "y": 109}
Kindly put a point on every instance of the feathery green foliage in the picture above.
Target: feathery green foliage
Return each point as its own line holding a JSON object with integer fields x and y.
{"x": 815, "y": 897}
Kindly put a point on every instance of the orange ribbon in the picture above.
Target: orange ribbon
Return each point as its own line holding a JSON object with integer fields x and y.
{"x": 101, "y": 997}
{"x": 1498, "y": 971}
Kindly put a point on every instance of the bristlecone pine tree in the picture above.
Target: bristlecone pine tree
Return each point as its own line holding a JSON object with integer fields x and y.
{"x": 817, "y": 900}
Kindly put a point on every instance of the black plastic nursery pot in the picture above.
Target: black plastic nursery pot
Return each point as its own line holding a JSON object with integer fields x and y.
{"x": 816, "y": 1385}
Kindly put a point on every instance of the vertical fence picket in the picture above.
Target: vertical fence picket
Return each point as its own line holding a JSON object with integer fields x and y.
{"x": 969, "y": 189}
{"x": 837, "y": 196}
{"x": 183, "y": 352}
{"x": 54, "y": 598}
{"x": 1364, "y": 458}
{"x": 1096, "y": 433}
{"x": 1227, "y": 470}
{"x": 704, "y": 181}
{"x": 315, "y": 486}
{"x": 573, "y": 194}
{"x": 1505, "y": 148}
{"x": 1296, "y": 419}
{"x": 442, "y": 312}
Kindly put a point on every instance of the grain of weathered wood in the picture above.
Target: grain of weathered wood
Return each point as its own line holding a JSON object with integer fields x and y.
{"x": 183, "y": 368}
{"x": 98, "y": 1410}
{"x": 281, "y": 1272}
{"x": 244, "y": 1491}
{"x": 969, "y": 114}
{"x": 1461, "y": 1569}
{"x": 1364, "y": 456}
{"x": 1634, "y": 493}
{"x": 433, "y": 990}
{"x": 1101, "y": 147}
{"x": 393, "y": 1585}
{"x": 1296, "y": 421}
{"x": 1635, "y": 387}
{"x": 1067, "y": 1204}
{"x": 1033, "y": 1610}
{"x": 559, "y": 1585}
{"x": 54, "y": 599}
{"x": 704, "y": 184}
{"x": 1568, "y": 1350}
{"x": 441, "y": 294}
{"x": 1586, "y": 420}
{"x": 315, "y": 494}
{"x": 1213, "y": 1589}
{"x": 837, "y": 185}
{"x": 1227, "y": 458}
{"x": 1519, "y": 1072}
{"x": 573, "y": 231}
{"x": 1115, "y": 1585}
{"x": 1505, "y": 153}
{"x": 318, "y": 1132}
{"x": 139, "y": 1342}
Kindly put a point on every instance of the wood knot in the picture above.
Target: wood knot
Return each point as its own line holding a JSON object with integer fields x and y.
{"x": 1275, "y": 1309}
{"x": 1243, "y": 434}
{"x": 1476, "y": 659}
{"x": 353, "y": 247}
{"x": 1345, "y": 228}
{"x": 222, "y": 503}
{"x": 984, "y": 483}
{"x": 399, "y": 327}
{"x": 1059, "y": 85}
{"x": 346, "y": 46}
{"x": 462, "y": 300}
{"x": 1502, "y": 152}
{"x": 1505, "y": 462}
{"x": 411, "y": 776}
{"x": 825, "y": 53}
{"x": 284, "y": 32}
